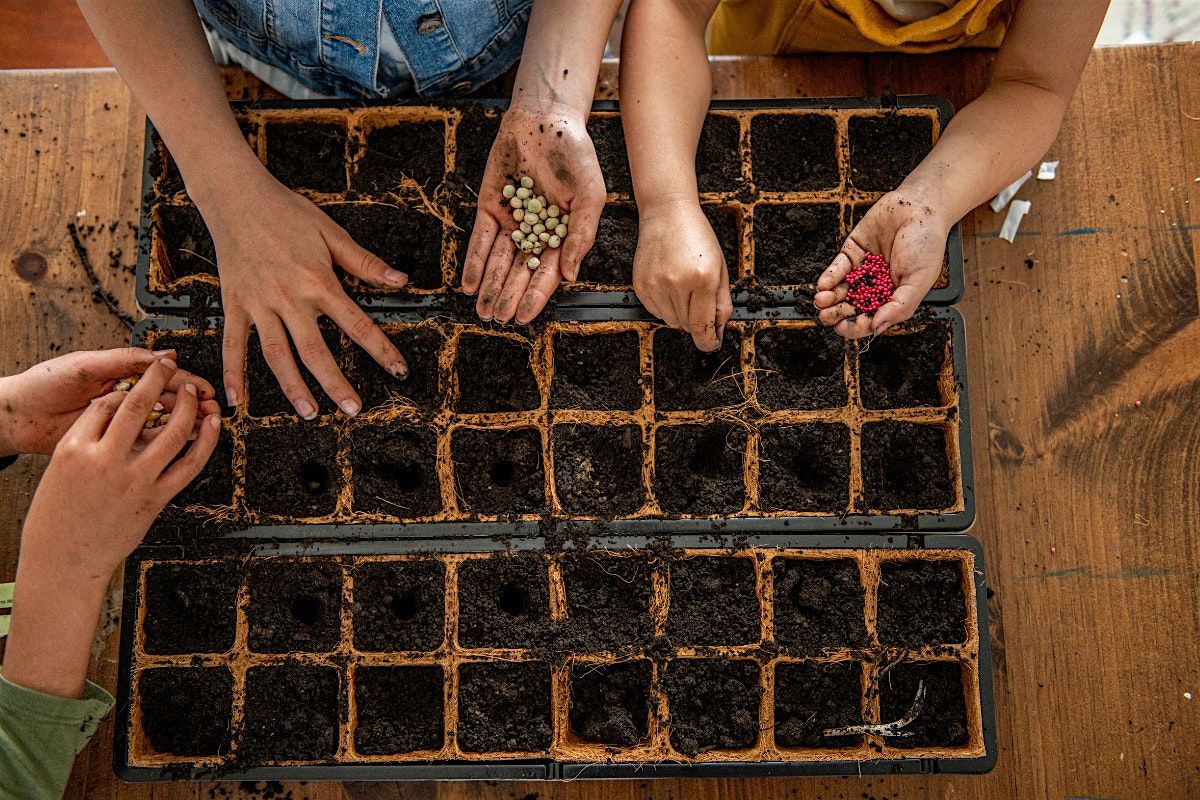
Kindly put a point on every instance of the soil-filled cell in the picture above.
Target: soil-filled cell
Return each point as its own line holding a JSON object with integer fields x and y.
{"x": 266, "y": 396}
{"x": 794, "y": 152}
{"x": 714, "y": 601}
{"x": 811, "y": 698}
{"x": 292, "y": 714}
{"x": 922, "y": 603}
{"x": 718, "y": 160}
{"x": 942, "y": 721}
{"x": 608, "y": 599}
{"x": 504, "y": 707}
{"x": 794, "y": 244}
{"x": 503, "y": 602}
{"x": 597, "y": 371}
{"x": 190, "y": 608}
{"x": 905, "y": 466}
{"x": 698, "y": 469}
{"x": 610, "y": 261}
{"x": 394, "y": 469}
{"x": 474, "y": 137}
{"x": 495, "y": 374}
{"x": 687, "y": 379}
{"x": 819, "y": 605}
{"x": 713, "y": 704}
{"x": 498, "y": 472}
{"x": 610, "y": 703}
{"x": 414, "y": 150}
{"x": 598, "y": 469}
{"x": 292, "y": 471}
{"x": 904, "y": 370}
{"x": 164, "y": 170}
{"x": 725, "y": 224}
{"x": 407, "y": 239}
{"x": 295, "y": 606}
{"x": 399, "y": 606}
{"x": 189, "y": 246}
{"x": 186, "y": 711}
{"x": 200, "y": 354}
{"x": 800, "y": 368}
{"x": 884, "y": 149}
{"x": 400, "y": 709}
{"x": 421, "y": 347}
{"x": 609, "y": 140}
{"x": 214, "y": 485}
{"x": 308, "y": 156}
{"x": 804, "y": 467}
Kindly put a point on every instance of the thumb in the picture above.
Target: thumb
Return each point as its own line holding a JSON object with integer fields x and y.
{"x": 360, "y": 262}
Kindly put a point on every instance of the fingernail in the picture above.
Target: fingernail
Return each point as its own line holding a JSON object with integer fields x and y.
{"x": 399, "y": 371}
{"x": 190, "y": 388}
{"x": 395, "y": 277}
{"x": 881, "y": 328}
{"x": 168, "y": 363}
{"x": 161, "y": 353}
{"x": 305, "y": 409}
{"x": 231, "y": 396}
{"x": 214, "y": 420}
{"x": 350, "y": 408}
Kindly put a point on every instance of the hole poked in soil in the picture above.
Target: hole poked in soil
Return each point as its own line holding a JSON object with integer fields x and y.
{"x": 686, "y": 378}
{"x": 421, "y": 347}
{"x": 190, "y": 608}
{"x": 503, "y": 602}
{"x": 188, "y": 245}
{"x": 714, "y": 601}
{"x": 718, "y": 160}
{"x": 394, "y": 468}
{"x": 406, "y": 150}
{"x": 214, "y": 485}
{"x": 794, "y": 152}
{"x": 504, "y": 707}
{"x": 610, "y": 261}
{"x": 713, "y": 704}
{"x": 405, "y": 238}
{"x": 608, "y": 599}
{"x": 610, "y": 703}
{"x": 800, "y": 368}
{"x": 609, "y": 140}
{"x": 904, "y": 370}
{"x": 698, "y": 469}
{"x": 597, "y": 371}
{"x": 474, "y": 137}
{"x": 943, "y": 718}
{"x": 266, "y": 397}
{"x": 399, "y": 606}
{"x": 597, "y": 469}
{"x": 725, "y": 222}
{"x": 400, "y": 709}
{"x": 292, "y": 471}
{"x": 495, "y": 374}
{"x": 884, "y": 149}
{"x": 804, "y": 467}
{"x": 292, "y": 714}
{"x": 922, "y": 603}
{"x": 812, "y": 697}
{"x": 307, "y": 155}
{"x": 906, "y": 466}
{"x": 498, "y": 471}
{"x": 200, "y": 697}
{"x": 819, "y": 605}
{"x": 200, "y": 354}
{"x": 794, "y": 244}
{"x": 295, "y": 606}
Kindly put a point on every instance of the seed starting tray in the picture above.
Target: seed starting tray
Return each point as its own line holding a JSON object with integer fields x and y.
{"x": 783, "y": 183}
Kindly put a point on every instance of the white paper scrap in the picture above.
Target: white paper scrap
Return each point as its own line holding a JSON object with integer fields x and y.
{"x": 1047, "y": 171}
{"x": 1009, "y": 192}
{"x": 1016, "y": 212}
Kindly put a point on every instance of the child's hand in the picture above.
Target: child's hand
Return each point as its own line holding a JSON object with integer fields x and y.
{"x": 40, "y": 404}
{"x": 679, "y": 273}
{"x": 549, "y": 143}
{"x": 911, "y": 235}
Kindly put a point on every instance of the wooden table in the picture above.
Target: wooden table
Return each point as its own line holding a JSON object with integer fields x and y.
{"x": 1086, "y": 503}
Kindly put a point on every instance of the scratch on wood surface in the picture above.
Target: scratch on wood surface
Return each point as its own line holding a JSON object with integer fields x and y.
{"x": 1126, "y": 573}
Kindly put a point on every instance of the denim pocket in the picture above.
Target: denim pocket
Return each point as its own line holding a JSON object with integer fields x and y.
{"x": 243, "y": 18}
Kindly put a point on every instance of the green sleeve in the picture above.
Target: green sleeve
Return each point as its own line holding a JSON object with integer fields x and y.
{"x": 40, "y": 735}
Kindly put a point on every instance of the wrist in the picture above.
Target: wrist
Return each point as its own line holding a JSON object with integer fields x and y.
{"x": 540, "y": 105}
{"x": 933, "y": 195}
{"x": 217, "y": 182}
{"x": 671, "y": 205}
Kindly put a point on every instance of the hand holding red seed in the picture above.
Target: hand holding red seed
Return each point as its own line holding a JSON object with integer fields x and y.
{"x": 870, "y": 286}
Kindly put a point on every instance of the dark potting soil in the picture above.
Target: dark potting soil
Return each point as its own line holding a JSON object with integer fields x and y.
{"x": 190, "y": 608}
{"x": 599, "y": 371}
{"x": 609, "y": 140}
{"x": 413, "y": 150}
{"x": 292, "y": 714}
{"x": 292, "y": 471}
{"x": 503, "y": 602}
{"x": 186, "y": 711}
{"x": 498, "y": 471}
{"x": 804, "y": 467}
{"x": 902, "y": 370}
{"x": 610, "y": 703}
{"x": 399, "y": 606}
{"x": 400, "y": 709}
{"x": 819, "y": 605}
{"x": 794, "y": 244}
{"x": 714, "y": 601}
{"x": 495, "y": 374}
{"x": 794, "y": 152}
{"x": 405, "y": 238}
{"x": 686, "y": 378}
{"x": 718, "y": 160}
{"x": 163, "y": 168}
{"x": 476, "y": 132}
{"x": 943, "y": 718}
{"x": 188, "y": 244}
{"x": 394, "y": 468}
{"x": 295, "y": 606}
{"x": 464, "y": 221}
{"x": 725, "y": 222}
{"x": 610, "y": 261}
{"x": 214, "y": 485}
{"x": 307, "y": 155}
{"x": 504, "y": 707}
{"x": 597, "y": 469}
{"x": 713, "y": 704}
{"x": 608, "y": 599}
{"x": 266, "y": 397}
{"x": 905, "y": 466}
{"x": 199, "y": 354}
{"x": 884, "y": 149}
{"x": 800, "y": 368}
{"x": 811, "y": 697}
{"x": 698, "y": 469}
{"x": 922, "y": 603}
{"x": 421, "y": 348}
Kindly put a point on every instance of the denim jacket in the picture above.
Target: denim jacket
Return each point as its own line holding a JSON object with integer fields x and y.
{"x": 334, "y": 47}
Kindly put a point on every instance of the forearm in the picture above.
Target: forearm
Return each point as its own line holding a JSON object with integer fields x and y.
{"x": 7, "y": 444}
{"x": 563, "y": 49}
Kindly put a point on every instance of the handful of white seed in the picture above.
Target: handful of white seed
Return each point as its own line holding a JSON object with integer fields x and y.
{"x": 158, "y": 416}
{"x": 539, "y": 223}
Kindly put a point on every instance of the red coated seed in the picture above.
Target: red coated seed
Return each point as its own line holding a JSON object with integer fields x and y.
{"x": 870, "y": 285}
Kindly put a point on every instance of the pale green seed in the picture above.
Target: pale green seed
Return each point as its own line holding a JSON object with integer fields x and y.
{"x": 534, "y": 205}
{"x": 535, "y": 262}
{"x": 552, "y": 211}
{"x": 510, "y": 190}
{"x": 519, "y": 214}
{"x": 515, "y": 202}
{"x": 561, "y": 231}
{"x": 552, "y": 223}
{"x": 526, "y": 182}
{"x": 543, "y": 236}
{"x": 538, "y": 228}
{"x": 526, "y": 228}
{"x": 518, "y": 235}
{"x": 554, "y": 241}
{"x": 531, "y": 218}
{"x": 542, "y": 214}
{"x": 565, "y": 219}
{"x": 523, "y": 193}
